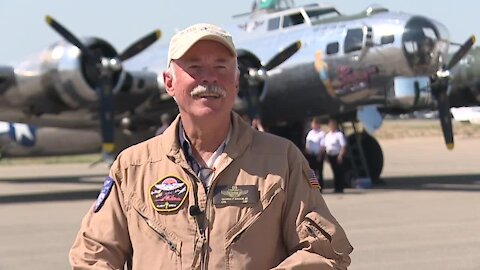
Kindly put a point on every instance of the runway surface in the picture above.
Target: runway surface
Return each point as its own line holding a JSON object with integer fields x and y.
{"x": 426, "y": 217}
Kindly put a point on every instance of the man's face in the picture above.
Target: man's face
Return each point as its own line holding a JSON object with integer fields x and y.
{"x": 204, "y": 81}
{"x": 332, "y": 125}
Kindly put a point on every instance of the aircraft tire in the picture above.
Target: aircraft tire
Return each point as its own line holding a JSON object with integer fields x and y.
{"x": 373, "y": 155}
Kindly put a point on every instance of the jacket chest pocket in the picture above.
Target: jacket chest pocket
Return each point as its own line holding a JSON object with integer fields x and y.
{"x": 151, "y": 241}
{"x": 256, "y": 237}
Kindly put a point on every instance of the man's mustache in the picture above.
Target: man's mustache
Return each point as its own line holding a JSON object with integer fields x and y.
{"x": 202, "y": 90}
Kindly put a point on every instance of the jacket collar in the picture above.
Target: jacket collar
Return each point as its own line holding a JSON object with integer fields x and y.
{"x": 241, "y": 137}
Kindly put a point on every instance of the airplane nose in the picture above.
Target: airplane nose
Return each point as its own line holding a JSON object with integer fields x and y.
{"x": 425, "y": 45}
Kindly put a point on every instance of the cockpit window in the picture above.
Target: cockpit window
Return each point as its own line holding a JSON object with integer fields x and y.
{"x": 332, "y": 48}
{"x": 318, "y": 15}
{"x": 387, "y": 39}
{"x": 422, "y": 43}
{"x": 293, "y": 19}
{"x": 353, "y": 40}
{"x": 429, "y": 33}
{"x": 274, "y": 24}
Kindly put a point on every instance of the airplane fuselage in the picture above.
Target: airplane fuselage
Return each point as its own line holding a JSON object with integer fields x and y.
{"x": 344, "y": 61}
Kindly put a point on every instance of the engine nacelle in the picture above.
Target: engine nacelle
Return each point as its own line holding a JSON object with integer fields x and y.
{"x": 475, "y": 89}
{"x": 465, "y": 83}
{"x": 410, "y": 92}
{"x": 250, "y": 89}
{"x": 59, "y": 78}
{"x": 72, "y": 74}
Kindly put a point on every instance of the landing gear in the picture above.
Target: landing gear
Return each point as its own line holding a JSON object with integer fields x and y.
{"x": 294, "y": 131}
{"x": 372, "y": 164}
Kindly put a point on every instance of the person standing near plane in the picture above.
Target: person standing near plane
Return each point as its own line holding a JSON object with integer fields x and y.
{"x": 315, "y": 149}
{"x": 210, "y": 190}
{"x": 335, "y": 147}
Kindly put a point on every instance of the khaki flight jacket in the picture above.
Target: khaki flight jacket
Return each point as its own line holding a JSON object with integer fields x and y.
{"x": 287, "y": 226}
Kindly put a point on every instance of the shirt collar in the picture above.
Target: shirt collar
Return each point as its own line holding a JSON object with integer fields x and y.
{"x": 185, "y": 144}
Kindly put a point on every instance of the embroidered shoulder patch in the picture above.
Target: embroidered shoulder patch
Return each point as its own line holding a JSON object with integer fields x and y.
{"x": 311, "y": 178}
{"x": 107, "y": 187}
{"x": 168, "y": 194}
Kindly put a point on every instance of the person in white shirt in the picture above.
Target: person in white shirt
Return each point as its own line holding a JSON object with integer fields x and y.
{"x": 335, "y": 147}
{"x": 314, "y": 150}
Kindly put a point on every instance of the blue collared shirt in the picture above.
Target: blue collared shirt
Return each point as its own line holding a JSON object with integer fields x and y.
{"x": 205, "y": 174}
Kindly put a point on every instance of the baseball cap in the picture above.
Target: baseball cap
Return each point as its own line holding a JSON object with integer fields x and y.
{"x": 182, "y": 41}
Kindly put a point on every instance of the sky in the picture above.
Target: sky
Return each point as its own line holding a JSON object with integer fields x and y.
{"x": 24, "y": 31}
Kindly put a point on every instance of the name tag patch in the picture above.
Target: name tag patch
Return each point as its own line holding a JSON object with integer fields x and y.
{"x": 230, "y": 195}
{"x": 168, "y": 194}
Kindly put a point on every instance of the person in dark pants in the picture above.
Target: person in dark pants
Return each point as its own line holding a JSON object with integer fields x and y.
{"x": 314, "y": 149}
{"x": 335, "y": 147}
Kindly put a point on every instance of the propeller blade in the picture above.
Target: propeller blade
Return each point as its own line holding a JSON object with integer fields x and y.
{"x": 66, "y": 34}
{"x": 440, "y": 93}
{"x": 460, "y": 53}
{"x": 254, "y": 75}
{"x": 283, "y": 55}
{"x": 140, "y": 45}
{"x": 445, "y": 119}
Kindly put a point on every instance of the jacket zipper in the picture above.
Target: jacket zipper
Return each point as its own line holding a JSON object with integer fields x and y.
{"x": 206, "y": 230}
{"x": 205, "y": 233}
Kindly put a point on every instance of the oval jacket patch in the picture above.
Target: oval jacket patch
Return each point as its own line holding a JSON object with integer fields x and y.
{"x": 168, "y": 194}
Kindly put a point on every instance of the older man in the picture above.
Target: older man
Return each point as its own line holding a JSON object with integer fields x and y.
{"x": 210, "y": 192}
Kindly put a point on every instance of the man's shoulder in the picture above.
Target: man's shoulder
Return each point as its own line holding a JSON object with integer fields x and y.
{"x": 268, "y": 143}
{"x": 339, "y": 133}
{"x": 142, "y": 152}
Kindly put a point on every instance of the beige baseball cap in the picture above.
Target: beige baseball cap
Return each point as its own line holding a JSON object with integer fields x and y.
{"x": 182, "y": 41}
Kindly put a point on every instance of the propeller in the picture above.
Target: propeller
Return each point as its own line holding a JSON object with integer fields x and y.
{"x": 102, "y": 73}
{"x": 441, "y": 88}
{"x": 255, "y": 74}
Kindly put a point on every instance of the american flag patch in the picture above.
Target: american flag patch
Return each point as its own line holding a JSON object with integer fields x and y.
{"x": 312, "y": 179}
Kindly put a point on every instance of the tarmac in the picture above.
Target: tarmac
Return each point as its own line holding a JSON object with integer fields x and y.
{"x": 426, "y": 216}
